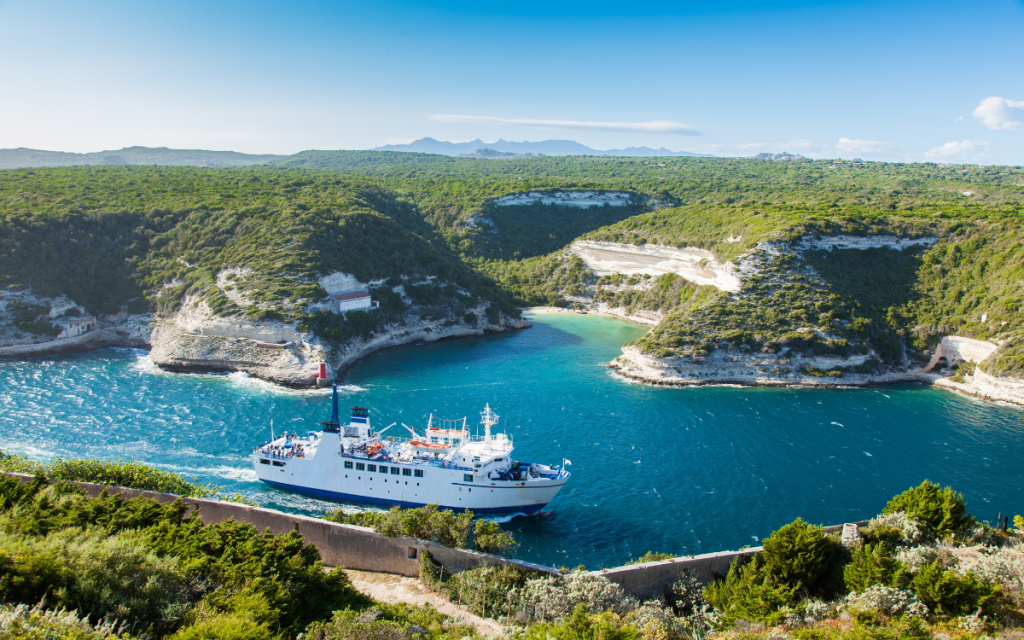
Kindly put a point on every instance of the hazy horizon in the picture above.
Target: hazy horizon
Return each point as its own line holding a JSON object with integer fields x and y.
{"x": 904, "y": 81}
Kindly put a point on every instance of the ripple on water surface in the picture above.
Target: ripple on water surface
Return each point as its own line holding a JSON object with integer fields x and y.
{"x": 678, "y": 470}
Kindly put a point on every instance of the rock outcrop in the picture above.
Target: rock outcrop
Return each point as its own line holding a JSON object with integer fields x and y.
{"x": 736, "y": 367}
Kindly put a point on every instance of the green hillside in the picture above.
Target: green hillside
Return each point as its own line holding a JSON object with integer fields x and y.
{"x": 147, "y": 237}
{"x": 114, "y": 235}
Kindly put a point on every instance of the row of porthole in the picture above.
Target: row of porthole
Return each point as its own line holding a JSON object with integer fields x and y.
{"x": 371, "y": 479}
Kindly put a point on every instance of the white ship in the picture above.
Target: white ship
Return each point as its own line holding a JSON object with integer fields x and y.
{"x": 444, "y": 465}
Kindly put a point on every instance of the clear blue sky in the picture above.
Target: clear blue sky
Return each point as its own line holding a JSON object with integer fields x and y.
{"x": 907, "y": 81}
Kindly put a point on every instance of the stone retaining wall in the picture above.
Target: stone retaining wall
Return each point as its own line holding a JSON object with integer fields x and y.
{"x": 652, "y": 579}
{"x": 340, "y": 545}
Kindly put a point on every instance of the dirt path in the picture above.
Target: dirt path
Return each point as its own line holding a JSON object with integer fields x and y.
{"x": 390, "y": 588}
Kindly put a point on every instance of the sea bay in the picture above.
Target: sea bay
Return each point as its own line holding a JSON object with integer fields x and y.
{"x": 676, "y": 470}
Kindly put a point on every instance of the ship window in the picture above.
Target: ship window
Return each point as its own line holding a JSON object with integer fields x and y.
{"x": 264, "y": 461}
{"x": 395, "y": 471}
{"x": 373, "y": 467}
{"x": 278, "y": 463}
{"x": 418, "y": 473}
{"x": 383, "y": 469}
{"x": 406, "y": 472}
{"x": 467, "y": 477}
{"x": 348, "y": 465}
{"x": 360, "y": 466}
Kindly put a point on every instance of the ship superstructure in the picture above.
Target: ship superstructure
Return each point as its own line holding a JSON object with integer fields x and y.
{"x": 443, "y": 465}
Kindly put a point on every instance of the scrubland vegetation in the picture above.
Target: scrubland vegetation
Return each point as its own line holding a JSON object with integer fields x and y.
{"x": 143, "y": 238}
{"x": 80, "y": 568}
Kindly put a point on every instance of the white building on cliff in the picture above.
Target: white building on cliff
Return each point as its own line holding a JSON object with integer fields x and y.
{"x": 352, "y": 301}
{"x": 75, "y": 326}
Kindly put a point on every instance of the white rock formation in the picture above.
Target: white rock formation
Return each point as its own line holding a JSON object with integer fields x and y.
{"x": 958, "y": 349}
{"x": 196, "y": 317}
{"x": 696, "y": 265}
{"x": 571, "y": 198}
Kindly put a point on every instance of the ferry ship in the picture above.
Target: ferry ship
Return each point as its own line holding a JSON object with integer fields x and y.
{"x": 444, "y": 465}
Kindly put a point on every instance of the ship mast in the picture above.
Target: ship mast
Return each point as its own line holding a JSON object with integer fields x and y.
{"x": 488, "y": 418}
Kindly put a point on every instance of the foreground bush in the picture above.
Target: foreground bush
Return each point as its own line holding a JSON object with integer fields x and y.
{"x": 22, "y": 622}
{"x": 131, "y": 474}
{"x": 389, "y": 622}
{"x": 943, "y": 511}
{"x": 871, "y": 565}
{"x": 138, "y": 551}
{"x": 802, "y": 556}
{"x": 110, "y": 577}
{"x": 431, "y": 523}
{"x": 951, "y": 594}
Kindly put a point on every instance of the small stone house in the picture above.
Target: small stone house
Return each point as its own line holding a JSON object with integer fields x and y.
{"x": 351, "y": 301}
{"x": 74, "y": 327}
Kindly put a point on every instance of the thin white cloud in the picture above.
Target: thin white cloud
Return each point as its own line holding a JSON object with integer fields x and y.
{"x": 233, "y": 135}
{"x": 862, "y": 146}
{"x": 792, "y": 145}
{"x": 958, "y": 119}
{"x": 1000, "y": 113}
{"x": 957, "y": 150}
{"x": 643, "y": 127}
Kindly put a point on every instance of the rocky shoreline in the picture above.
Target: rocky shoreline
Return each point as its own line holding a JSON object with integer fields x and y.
{"x": 726, "y": 369}
{"x": 186, "y": 344}
{"x": 295, "y": 363}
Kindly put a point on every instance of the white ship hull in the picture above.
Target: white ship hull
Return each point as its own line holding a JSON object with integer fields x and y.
{"x": 354, "y": 464}
{"x": 444, "y": 487}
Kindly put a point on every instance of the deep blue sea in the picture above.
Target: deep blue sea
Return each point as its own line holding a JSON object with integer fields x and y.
{"x": 677, "y": 470}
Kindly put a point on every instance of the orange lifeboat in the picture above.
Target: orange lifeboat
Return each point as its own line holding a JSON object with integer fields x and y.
{"x": 373, "y": 449}
{"x": 429, "y": 446}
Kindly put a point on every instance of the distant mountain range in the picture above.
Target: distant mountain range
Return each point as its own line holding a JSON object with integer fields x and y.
{"x": 17, "y": 158}
{"x": 545, "y": 147}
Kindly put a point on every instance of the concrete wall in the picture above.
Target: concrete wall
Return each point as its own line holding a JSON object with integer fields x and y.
{"x": 340, "y": 545}
{"x": 53, "y": 346}
{"x": 652, "y": 579}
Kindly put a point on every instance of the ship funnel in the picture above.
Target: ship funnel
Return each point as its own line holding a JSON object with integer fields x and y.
{"x": 334, "y": 404}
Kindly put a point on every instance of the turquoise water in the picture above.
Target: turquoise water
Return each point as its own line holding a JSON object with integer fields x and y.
{"x": 678, "y": 470}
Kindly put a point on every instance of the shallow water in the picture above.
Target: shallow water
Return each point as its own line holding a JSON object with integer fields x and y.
{"x": 679, "y": 470}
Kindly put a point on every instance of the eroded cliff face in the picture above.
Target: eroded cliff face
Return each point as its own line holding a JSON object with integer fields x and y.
{"x": 730, "y": 366}
{"x": 195, "y": 339}
{"x": 735, "y": 364}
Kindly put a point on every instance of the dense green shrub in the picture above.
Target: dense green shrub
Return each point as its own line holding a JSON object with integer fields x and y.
{"x": 582, "y": 626}
{"x": 873, "y": 564}
{"x": 389, "y": 622}
{"x": 942, "y": 510}
{"x": 216, "y": 561}
{"x": 951, "y": 594}
{"x": 245, "y": 615}
{"x": 131, "y": 474}
{"x": 108, "y": 577}
{"x": 750, "y": 592}
{"x": 431, "y": 523}
{"x": 802, "y": 556}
